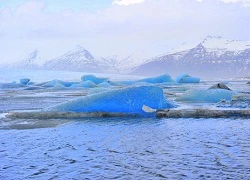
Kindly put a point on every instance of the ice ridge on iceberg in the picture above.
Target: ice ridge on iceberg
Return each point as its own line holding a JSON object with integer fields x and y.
{"x": 185, "y": 78}
{"x": 94, "y": 79}
{"x": 126, "y": 100}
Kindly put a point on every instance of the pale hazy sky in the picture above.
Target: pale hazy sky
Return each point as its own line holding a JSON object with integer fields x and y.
{"x": 109, "y": 27}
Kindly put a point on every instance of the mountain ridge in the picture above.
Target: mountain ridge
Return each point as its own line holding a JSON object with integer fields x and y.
{"x": 213, "y": 56}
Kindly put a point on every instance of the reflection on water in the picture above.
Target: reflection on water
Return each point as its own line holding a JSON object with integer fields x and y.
{"x": 129, "y": 149}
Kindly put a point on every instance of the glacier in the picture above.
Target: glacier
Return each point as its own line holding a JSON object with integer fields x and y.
{"x": 126, "y": 100}
{"x": 185, "y": 78}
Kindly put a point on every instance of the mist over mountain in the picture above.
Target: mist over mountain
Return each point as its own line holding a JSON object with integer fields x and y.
{"x": 211, "y": 58}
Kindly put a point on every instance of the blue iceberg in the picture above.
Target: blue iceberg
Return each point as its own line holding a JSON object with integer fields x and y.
{"x": 159, "y": 79}
{"x": 104, "y": 84}
{"x": 185, "y": 78}
{"x": 206, "y": 96}
{"x": 164, "y": 78}
{"x": 24, "y": 81}
{"x": 84, "y": 84}
{"x": 94, "y": 79}
{"x": 127, "y": 100}
{"x": 55, "y": 82}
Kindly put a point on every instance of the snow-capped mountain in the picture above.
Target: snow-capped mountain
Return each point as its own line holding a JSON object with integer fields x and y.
{"x": 213, "y": 57}
{"x": 30, "y": 62}
{"x": 78, "y": 59}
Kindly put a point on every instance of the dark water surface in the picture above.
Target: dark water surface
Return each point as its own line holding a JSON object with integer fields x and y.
{"x": 128, "y": 149}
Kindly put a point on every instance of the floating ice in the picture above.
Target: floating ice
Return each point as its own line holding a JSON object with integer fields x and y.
{"x": 84, "y": 84}
{"x": 126, "y": 100}
{"x": 153, "y": 80}
{"x": 97, "y": 90}
{"x": 54, "y": 82}
{"x": 94, "y": 79}
{"x": 237, "y": 101}
{"x": 185, "y": 78}
{"x": 33, "y": 88}
{"x": 59, "y": 86}
{"x": 209, "y": 95}
{"x": 24, "y": 81}
{"x": 11, "y": 85}
{"x": 104, "y": 84}
{"x": 159, "y": 79}
{"x": 220, "y": 86}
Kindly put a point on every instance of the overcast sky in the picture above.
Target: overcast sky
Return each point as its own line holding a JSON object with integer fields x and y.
{"x": 109, "y": 27}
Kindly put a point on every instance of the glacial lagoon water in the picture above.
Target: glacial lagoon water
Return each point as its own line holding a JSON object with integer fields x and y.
{"x": 119, "y": 148}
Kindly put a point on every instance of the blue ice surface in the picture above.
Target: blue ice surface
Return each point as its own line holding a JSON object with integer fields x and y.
{"x": 185, "y": 78}
{"x": 125, "y": 100}
{"x": 164, "y": 78}
{"x": 94, "y": 79}
{"x": 84, "y": 84}
{"x": 24, "y": 81}
{"x": 206, "y": 96}
{"x": 59, "y": 86}
{"x": 104, "y": 84}
{"x": 55, "y": 81}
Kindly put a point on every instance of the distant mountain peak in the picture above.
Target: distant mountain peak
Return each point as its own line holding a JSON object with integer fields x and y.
{"x": 32, "y": 56}
{"x": 212, "y": 37}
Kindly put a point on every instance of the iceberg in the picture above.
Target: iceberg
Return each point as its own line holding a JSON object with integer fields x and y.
{"x": 206, "y": 96}
{"x": 59, "y": 86}
{"x": 127, "y": 100}
{"x": 164, "y": 78}
{"x": 94, "y": 79}
{"x": 159, "y": 79}
{"x": 104, "y": 84}
{"x": 84, "y": 84}
{"x": 56, "y": 82}
{"x": 24, "y": 81}
{"x": 185, "y": 78}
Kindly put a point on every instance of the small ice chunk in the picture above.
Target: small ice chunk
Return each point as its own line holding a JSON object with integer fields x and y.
{"x": 24, "y": 81}
{"x": 185, "y": 78}
{"x": 94, "y": 79}
{"x": 206, "y": 96}
{"x": 126, "y": 100}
